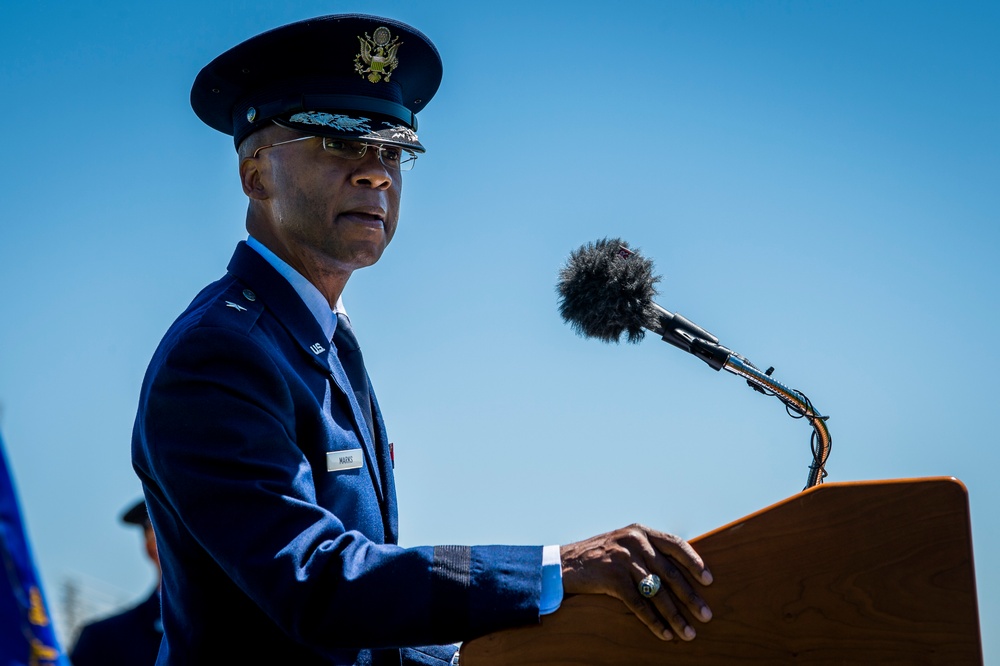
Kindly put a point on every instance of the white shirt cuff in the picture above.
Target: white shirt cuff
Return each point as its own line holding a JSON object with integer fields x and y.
{"x": 552, "y": 587}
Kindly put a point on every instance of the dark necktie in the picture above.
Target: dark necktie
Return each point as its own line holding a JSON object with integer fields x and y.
{"x": 350, "y": 357}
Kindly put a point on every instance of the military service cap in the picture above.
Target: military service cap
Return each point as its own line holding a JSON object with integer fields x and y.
{"x": 136, "y": 514}
{"x": 347, "y": 76}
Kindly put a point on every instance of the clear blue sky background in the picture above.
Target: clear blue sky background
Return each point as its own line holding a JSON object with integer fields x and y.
{"x": 818, "y": 183}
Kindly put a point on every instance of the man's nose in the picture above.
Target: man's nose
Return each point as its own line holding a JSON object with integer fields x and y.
{"x": 370, "y": 172}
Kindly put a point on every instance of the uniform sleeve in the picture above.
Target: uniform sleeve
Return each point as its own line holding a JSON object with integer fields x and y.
{"x": 232, "y": 491}
{"x": 434, "y": 655}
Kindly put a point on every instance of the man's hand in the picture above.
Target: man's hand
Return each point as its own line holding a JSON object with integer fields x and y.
{"x": 615, "y": 562}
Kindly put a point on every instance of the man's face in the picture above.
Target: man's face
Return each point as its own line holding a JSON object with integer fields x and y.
{"x": 324, "y": 211}
{"x": 149, "y": 541}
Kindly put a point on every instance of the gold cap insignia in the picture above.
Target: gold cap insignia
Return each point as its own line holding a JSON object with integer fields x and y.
{"x": 378, "y": 55}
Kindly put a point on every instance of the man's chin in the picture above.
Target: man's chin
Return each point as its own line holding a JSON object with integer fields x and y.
{"x": 367, "y": 255}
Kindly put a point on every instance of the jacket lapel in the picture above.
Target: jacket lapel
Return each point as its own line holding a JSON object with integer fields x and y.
{"x": 278, "y": 296}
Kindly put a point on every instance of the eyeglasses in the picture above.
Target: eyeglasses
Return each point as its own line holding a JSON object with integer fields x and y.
{"x": 391, "y": 157}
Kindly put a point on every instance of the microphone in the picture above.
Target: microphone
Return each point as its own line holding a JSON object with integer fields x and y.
{"x": 606, "y": 290}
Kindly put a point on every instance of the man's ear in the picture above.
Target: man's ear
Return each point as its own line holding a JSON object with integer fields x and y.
{"x": 250, "y": 177}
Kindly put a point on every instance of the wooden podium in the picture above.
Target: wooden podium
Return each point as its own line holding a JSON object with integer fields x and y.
{"x": 874, "y": 572}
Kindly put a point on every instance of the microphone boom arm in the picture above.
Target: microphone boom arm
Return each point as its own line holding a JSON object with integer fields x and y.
{"x": 798, "y": 403}
{"x": 686, "y": 335}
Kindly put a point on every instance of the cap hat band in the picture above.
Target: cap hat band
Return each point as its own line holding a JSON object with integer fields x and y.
{"x": 248, "y": 117}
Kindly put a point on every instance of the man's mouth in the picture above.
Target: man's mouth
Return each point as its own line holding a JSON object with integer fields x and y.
{"x": 367, "y": 216}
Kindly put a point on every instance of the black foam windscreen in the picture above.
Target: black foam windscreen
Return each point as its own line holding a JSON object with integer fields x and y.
{"x": 606, "y": 289}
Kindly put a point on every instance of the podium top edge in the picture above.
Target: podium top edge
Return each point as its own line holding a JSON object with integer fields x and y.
{"x": 840, "y": 486}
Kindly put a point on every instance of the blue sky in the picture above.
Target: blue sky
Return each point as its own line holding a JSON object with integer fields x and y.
{"x": 816, "y": 182}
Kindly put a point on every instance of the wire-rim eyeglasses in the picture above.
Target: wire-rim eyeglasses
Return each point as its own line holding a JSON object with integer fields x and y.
{"x": 391, "y": 157}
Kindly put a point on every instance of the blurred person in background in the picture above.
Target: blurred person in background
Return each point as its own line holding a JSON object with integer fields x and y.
{"x": 131, "y": 637}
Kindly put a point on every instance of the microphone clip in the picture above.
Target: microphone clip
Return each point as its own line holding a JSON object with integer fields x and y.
{"x": 688, "y": 336}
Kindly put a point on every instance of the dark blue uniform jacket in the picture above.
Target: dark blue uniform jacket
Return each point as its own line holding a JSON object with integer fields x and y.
{"x": 268, "y": 557}
{"x": 130, "y": 638}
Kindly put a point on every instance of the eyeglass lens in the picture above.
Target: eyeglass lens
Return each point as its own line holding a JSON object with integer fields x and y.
{"x": 391, "y": 157}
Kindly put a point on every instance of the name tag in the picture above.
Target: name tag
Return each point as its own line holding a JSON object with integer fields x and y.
{"x": 341, "y": 460}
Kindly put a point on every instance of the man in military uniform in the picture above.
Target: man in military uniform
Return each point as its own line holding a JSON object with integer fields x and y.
{"x": 132, "y": 637}
{"x": 259, "y": 441}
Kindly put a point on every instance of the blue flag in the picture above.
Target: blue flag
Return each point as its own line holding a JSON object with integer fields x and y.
{"x": 27, "y": 637}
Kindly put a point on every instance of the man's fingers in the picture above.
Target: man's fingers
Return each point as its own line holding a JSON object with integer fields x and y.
{"x": 682, "y": 552}
{"x": 676, "y": 585}
{"x": 645, "y": 611}
{"x": 673, "y": 593}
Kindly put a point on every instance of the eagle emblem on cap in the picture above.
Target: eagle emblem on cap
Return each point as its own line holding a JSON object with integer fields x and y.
{"x": 378, "y": 55}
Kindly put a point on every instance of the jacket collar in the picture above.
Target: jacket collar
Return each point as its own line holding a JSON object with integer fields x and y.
{"x": 307, "y": 291}
{"x": 280, "y": 298}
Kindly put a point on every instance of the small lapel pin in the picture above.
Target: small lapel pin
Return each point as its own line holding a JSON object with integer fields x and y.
{"x": 236, "y": 306}
{"x": 317, "y": 348}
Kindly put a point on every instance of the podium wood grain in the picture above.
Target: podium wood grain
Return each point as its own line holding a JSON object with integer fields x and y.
{"x": 875, "y": 572}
